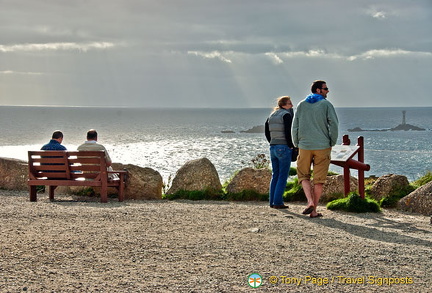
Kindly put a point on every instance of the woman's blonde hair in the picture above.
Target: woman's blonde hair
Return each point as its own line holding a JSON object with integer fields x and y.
{"x": 282, "y": 101}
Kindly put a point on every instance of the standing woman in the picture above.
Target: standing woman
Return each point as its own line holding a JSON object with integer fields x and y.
{"x": 278, "y": 134}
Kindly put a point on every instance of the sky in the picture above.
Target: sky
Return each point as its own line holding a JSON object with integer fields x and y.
{"x": 214, "y": 53}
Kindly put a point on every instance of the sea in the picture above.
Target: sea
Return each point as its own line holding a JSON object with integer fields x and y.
{"x": 164, "y": 139}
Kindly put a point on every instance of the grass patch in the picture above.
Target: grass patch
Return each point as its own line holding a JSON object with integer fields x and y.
{"x": 392, "y": 199}
{"x": 369, "y": 181}
{"x": 88, "y": 191}
{"x": 333, "y": 196}
{"x": 423, "y": 180}
{"x": 355, "y": 204}
{"x": 247, "y": 195}
{"x": 294, "y": 191}
{"x": 206, "y": 194}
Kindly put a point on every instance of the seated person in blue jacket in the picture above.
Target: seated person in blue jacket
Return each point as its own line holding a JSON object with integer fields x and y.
{"x": 54, "y": 145}
{"x": 55, "y": 142}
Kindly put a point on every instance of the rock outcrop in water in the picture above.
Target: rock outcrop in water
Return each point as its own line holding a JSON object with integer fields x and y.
{"x": 255, "y": 129}
{"x": 407, "y": 127}
{"x": 403, "y": 126}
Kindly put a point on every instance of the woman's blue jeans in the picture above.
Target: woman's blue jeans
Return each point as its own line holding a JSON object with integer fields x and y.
{"x": 280, "y": 156}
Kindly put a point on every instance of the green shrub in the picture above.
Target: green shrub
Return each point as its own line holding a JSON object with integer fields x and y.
{"x": 391, "y": 200}
{"x": 423, "y": 180}
{"x": 166, "y": 185}
{"x": 225, "y": 184}
{"x": 294, "y": 191}
{"x": 368, "y": 189}
{"x": 354, "y": 203}
{"x": 260, "y": 161}
{"x": 369, "y": 181}
{"x": 292, "y": 171}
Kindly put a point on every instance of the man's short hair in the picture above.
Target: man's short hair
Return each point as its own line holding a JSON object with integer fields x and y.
{"x": 317, "y": 84}
{"x": 91, "y": 134}
{"x": 57, "y": 134}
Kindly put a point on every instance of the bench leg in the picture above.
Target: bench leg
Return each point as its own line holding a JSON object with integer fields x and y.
{"x": 104, "y": 194}
{"x": 51, "y": 192}
{"x": 33, "y": 194}
{"x": 121, "y": 190}
{"x": 120, "y": 194}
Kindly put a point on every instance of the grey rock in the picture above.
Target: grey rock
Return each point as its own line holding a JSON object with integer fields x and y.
{"x": 388, "y": 184}
{"x": 199, "y": 174}
{"x": 418, "y": 201}
{"x": 257, "y": 180}
{"x": 142, "y": 183}
{"x": 335, "y": 187}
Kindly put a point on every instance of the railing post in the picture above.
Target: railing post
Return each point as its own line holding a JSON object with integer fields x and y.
{"x": 361, "y": 187}
{"x": 346, "y": 140}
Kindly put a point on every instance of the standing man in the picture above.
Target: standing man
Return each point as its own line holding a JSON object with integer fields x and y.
{"x": 92, "y": 145}
{"x": 55, "y": 142}
{"x": 314, "y": 132}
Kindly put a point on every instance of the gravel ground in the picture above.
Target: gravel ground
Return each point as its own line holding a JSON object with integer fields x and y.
{"x": 204, "y": 246}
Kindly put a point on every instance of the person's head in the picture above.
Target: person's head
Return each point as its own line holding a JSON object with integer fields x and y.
{"x": 283, "y": 102}
{"x": 91, "y": 134}
{"x": 57, "y": 135}
{"x": 320, "y": 87}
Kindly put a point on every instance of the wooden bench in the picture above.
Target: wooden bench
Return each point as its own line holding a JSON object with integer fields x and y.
{"x": 72, "y": 168}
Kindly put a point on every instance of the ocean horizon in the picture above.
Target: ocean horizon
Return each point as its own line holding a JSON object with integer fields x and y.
{"x": 164, "y": 139}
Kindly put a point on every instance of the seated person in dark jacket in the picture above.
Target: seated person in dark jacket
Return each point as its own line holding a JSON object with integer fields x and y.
{"x": 55, "y": 145}
{"x": 55, "y": 142}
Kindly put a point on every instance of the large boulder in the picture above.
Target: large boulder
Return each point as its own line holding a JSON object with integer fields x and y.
{"x": 13, "y": 174}
{"x": 335, "y": 187}
{"x": 142, "y": 183}
{"x": 196, "y": 175}
{"x": 257, "y": 180}
{"x": 387, "y": 185}
{"x": 418, "y": 201}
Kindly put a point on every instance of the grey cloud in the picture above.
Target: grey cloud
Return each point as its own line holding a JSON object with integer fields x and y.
{"x": 211, "y": 53}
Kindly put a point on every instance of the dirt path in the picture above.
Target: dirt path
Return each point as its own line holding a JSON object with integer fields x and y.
{"x": 204, "y": 246}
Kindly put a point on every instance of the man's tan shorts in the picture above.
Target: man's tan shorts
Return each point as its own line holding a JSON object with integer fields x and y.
{"x": 320, "y": 159}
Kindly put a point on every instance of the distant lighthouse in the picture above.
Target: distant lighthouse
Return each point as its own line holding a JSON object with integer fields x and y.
{"x": 403, "y": 117}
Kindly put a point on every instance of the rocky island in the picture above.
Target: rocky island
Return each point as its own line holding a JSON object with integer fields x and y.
{"x": 255, "y": 129}
{"x": 403, "y": 126}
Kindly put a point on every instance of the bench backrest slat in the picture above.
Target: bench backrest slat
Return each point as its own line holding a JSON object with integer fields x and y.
{"x": 86, "y": 176}
{"x": 67, "y": 164}
{"x": 52, "y": 175}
